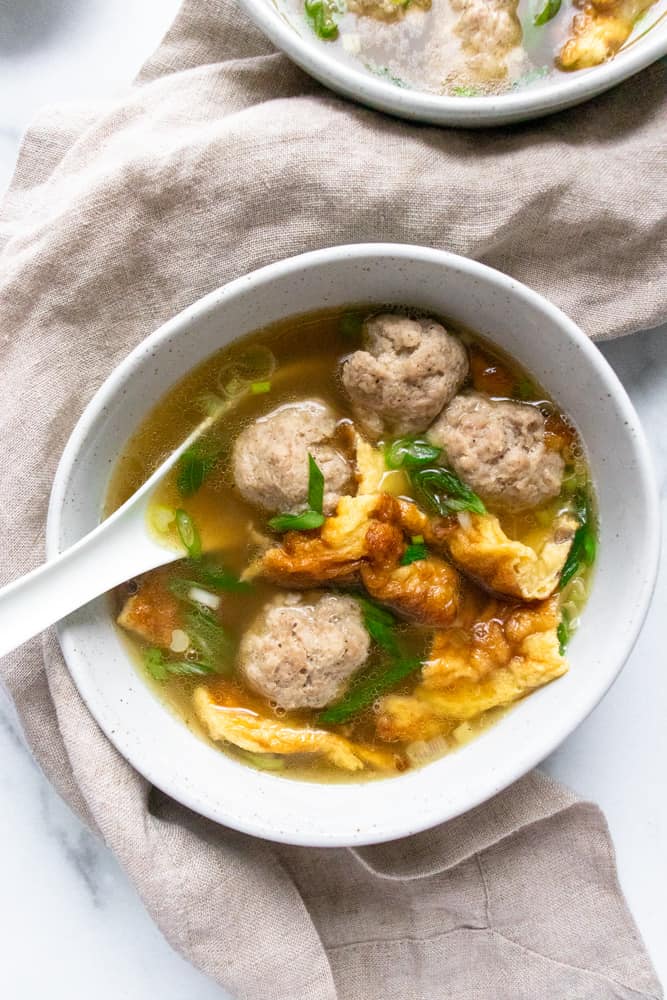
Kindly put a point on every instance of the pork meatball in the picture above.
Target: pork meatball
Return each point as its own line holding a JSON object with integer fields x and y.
{"x": 497, "y": 447}
{"x": 303, "y": 648}
{"x": 270, "y": 458}
{"x": 409, "y": 370}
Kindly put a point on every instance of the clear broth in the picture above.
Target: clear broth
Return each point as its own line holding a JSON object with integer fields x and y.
{"x": 308, "y": 352}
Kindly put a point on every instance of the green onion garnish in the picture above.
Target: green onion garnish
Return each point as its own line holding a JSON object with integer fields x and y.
{"x": 160, "y": 667}
{"x": 216, "y": 577}
{"x": 311, "y": 518}
{"x": 549, "y": 9}
{"x": 385, "y": 73}
{"x": 315, "y": 486}
{"x": 380, "y": 625}
{"x": 563, "y": 633}
{"x": 320, "y": 14}
{"x": 210, "y": 639}
{"x": 530, "y": 76}
{"x": 264, "y": 761}
{"x": 367, "y": 691}
{"x": 443, "y": 491}
{"x": 188, "y": 533}
{"x": 584, "y": 544}
{"x": 409, "y": 453}
{"x": 306, "y": 521}
{"x": 194, "y": 465}
{"x": 415, "y": 552}
{"x": 257, "y": 388}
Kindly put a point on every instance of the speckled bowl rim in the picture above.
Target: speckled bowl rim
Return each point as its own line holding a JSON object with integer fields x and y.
{"x": 350, "y": 802}
{"x": 468, "y": 112}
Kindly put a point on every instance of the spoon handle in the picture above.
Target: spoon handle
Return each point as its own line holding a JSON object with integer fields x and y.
{"x": 119, "y": 548}
{"x": 116, "y": 550}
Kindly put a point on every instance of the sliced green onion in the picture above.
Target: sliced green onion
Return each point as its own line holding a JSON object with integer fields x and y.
{"x": 161, "y": 668}
{"x": 409, "y": 453}
{"x": 563, "y": 632}
{"x": 306, "y": 521}
{"x": 309, "y": 519}
{"x": 188, "y": 533}
{"x": 185, "y": 588}
{"x": 210, "y": 639}
{"x": 216, "y": 577}
{"x": 256, "y": 363}
{"x": 582, "y": 552}
{"x": 315, "y": 485}
{"x": 320, "y": 14}
{"x": 385, "y": 73}
{"x": 367, "y": 691}
{"x": 264, "y": 761}
{"x": 584, "y": 544}
{"x": 154, "y": 661}
{"x": 194, "y": 465}
{"x": 548, "y": 10}
{"x": 443, "y": 491}
{"x": 380, "y": 625}
{"x": 415, "y": 552}
{"x": 531, "y": 76}
{"x": 257, "y": 388}
{"x": 190, "y": 668}
{"x": 462, "y": 91}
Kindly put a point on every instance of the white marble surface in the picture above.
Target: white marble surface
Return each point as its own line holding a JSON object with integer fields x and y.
{"x": 70, "y": 922}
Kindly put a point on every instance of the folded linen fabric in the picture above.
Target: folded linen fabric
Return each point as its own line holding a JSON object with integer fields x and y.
{"x": 222, "y": 157}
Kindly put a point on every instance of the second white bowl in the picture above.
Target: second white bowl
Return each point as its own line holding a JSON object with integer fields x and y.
{"x": 299, "y": 42}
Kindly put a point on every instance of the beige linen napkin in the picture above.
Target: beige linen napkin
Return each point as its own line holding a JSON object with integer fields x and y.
{"x": 221, "y": 158}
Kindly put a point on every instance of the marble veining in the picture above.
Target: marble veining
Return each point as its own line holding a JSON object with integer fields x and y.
{"x": 9, "y": 724}
{"x": 77, "y": 845}
{"x": 70, "y": 921}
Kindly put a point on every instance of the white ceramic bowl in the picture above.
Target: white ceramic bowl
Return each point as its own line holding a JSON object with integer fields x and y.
{"x": 161, "y": 747}
{"x": 294, "y": 36}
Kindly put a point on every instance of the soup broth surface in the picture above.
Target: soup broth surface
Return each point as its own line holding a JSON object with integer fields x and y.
{"x": 293, "y": 360}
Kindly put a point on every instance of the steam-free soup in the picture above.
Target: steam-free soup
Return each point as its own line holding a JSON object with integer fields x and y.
{"x": 474, "y": 47}
{"x": 387, "y": 528}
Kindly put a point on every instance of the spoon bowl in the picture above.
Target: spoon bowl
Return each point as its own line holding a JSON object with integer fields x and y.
{"x": 119, "y": 548}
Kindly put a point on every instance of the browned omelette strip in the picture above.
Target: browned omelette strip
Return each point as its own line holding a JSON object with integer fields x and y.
{"x": 599, "y": 30}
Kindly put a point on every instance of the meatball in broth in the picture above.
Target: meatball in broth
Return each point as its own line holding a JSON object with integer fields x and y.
{"x": 499, "y": 448}
{"x": 270, "y": 458}
{"x": 389, "y": 539}
{"x": 406, "y": 372}
{"x": 303, "y": 648}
